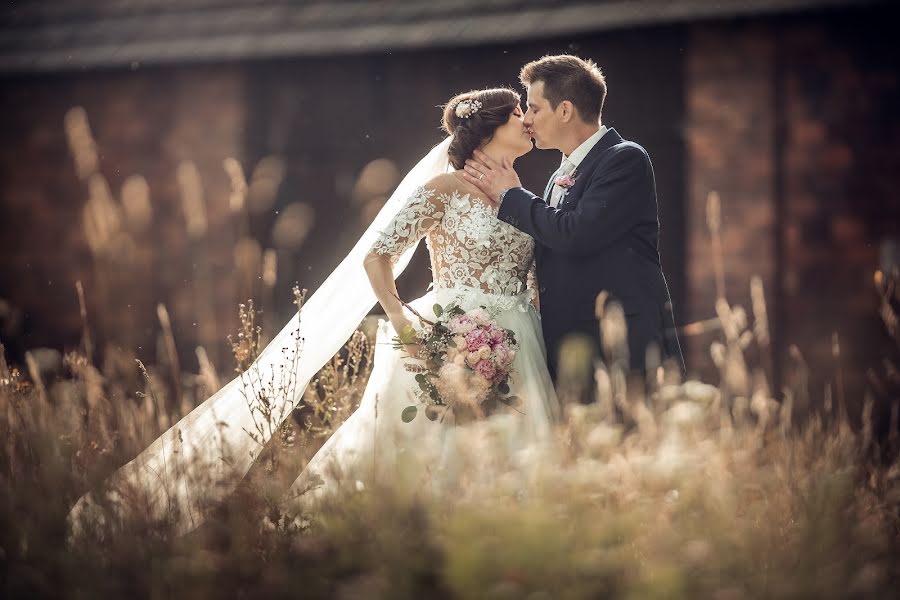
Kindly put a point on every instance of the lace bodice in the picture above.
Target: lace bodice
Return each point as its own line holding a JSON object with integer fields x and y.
{"x": 468, "y": 245}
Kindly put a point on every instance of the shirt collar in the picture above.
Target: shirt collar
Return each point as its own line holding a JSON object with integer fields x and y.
{"x": 581, "y": 151}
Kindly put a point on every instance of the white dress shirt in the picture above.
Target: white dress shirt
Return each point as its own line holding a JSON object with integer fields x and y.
{"x": 571, "y": 162}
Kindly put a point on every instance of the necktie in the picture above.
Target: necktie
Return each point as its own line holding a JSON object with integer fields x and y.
{"x": 548, "y": 192}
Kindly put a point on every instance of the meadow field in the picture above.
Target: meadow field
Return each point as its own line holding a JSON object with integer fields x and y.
{"x": 658, "y": 489}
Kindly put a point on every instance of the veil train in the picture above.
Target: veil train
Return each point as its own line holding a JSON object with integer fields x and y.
{"x": 203, "y": 457}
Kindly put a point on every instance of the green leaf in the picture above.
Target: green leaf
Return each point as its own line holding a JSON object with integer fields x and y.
{"x": 409, "y": 413}
{"x": 421, "y": 378}
{"x": 438, "y": 310}
{"x": 512, "y": 401}
{"x": 407, "y": 335}
{"x": 503, "y": 388}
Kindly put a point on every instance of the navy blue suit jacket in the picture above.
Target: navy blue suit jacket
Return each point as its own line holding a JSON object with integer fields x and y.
{"x": 603, "y": 236}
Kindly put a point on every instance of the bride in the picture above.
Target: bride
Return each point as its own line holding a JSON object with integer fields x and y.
{"x": 476, "y": 261}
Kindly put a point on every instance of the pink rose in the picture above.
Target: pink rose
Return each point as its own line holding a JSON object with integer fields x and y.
{"x": 486, "y": 369}
{"x": 476, "y": 339}
{"x": 565, "y": 181}
{"x": 498, "y": 336}
{"x": 504, "y": 355}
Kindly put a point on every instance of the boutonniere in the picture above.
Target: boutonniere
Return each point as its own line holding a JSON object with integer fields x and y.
{"x": 566, "y": 181}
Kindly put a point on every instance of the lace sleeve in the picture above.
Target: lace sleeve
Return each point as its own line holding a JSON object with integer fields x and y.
{"x": 421, "y": 213}
{"x": 532, "y": 284}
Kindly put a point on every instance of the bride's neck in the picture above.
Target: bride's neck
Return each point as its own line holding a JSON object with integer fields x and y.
{"x": 496, "y": 153}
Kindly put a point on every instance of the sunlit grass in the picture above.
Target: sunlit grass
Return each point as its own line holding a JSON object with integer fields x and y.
{"x": 684, "y": 492}
{"x": 658, "y": 489}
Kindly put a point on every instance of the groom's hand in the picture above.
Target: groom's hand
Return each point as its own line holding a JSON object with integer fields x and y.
{"x": 489, "y": 176}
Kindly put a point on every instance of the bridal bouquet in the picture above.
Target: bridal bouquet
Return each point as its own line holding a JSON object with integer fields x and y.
{"x": 467, "y": 364}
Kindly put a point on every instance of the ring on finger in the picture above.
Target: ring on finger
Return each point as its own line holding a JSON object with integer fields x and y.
{"x": 480, "y": 177}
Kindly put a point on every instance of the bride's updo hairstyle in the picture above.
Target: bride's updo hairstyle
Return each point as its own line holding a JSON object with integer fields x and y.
{"x": 473, "y": 117}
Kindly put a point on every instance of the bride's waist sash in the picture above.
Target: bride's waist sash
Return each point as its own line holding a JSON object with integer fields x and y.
{"x": 468, "y": 298}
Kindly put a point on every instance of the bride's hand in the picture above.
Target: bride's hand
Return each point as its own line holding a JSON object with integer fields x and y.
{"x": 401, "y": 323}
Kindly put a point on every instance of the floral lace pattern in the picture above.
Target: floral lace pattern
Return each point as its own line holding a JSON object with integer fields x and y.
{"x": 468, "y": 245}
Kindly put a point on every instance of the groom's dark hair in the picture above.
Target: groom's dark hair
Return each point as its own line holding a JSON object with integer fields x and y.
{"x": 568, "y": 77}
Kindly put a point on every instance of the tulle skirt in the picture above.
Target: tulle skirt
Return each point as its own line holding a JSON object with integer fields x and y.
{"x": 375, "y": 446}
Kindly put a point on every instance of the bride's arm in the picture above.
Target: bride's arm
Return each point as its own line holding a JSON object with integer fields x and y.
{"x": 420, "y": 214}
{"x": 381, "y": 275}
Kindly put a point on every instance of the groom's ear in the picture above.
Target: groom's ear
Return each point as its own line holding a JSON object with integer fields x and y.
{"x": 567, "y": 111}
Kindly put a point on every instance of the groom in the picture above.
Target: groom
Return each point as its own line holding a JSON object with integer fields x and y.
{"x": 596, "y": 227}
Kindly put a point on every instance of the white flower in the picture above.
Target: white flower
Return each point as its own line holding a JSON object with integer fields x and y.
{"x": 480, "y": 230}
{"x": 460, "y": 202}
{"x": 479, "y": 314}
{"x": 467, "y": 108}
{"x": 462, "y": 330}
{"x": 459, "y": 272}
{"x": 451, "y": 221}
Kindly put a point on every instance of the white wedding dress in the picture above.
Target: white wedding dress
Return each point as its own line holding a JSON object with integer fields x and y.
{"x": 477, "y": 260}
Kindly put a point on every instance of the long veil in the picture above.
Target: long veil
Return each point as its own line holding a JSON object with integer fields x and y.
{"x": 203, "y": 457}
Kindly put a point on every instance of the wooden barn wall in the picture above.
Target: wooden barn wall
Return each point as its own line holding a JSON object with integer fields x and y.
{"x": 312, "y": 124}
{"x": 795, "y": 126}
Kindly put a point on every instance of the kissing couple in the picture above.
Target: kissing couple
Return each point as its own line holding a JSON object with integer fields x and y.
{"x": 533, "y": 265}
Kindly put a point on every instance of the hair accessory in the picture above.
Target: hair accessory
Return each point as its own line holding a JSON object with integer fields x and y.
{"x": 467, "y": 108}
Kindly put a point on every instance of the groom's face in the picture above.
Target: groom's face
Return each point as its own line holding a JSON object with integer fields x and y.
{"x": 540, "y": 119}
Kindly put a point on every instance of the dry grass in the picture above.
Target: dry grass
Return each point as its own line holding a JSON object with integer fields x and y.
{"x": 686, "y": 490}
{"x": 659, "y": 489}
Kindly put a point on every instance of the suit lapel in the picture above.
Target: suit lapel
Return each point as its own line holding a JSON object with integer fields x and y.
{"x": 610, "y": 139}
